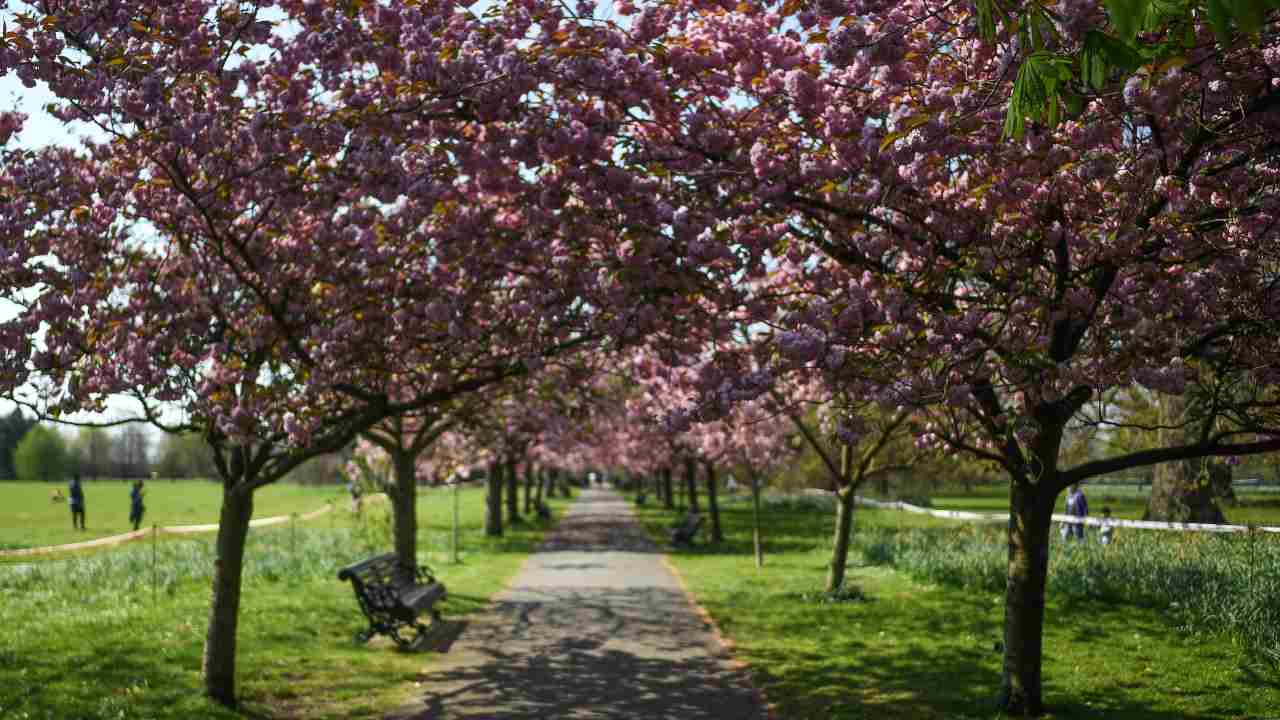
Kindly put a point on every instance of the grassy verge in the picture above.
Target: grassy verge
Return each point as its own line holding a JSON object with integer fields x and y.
{"x": 29, "y": 519}
{"x": 907, "y": 646}
{"x": 1251, "y": 508}
{"x": 83, "y": 637}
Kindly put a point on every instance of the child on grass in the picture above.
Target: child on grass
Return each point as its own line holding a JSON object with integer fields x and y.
{"x": 1107, "y": 534}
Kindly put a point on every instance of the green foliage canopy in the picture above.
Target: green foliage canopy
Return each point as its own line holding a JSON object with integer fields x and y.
{"x": 41, "y": 455}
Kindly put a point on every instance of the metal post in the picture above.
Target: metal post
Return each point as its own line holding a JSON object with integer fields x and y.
{"x": 155, "y": 532}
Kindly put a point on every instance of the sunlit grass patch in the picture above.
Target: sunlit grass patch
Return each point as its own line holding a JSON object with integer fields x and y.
{"x": 925, "y": 640}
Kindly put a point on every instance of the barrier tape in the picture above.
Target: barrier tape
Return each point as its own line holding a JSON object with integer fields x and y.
{"x": 1068, "y": 519}
{"x": 171, "y": 530}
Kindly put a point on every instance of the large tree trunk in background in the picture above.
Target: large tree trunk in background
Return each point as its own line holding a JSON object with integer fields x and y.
{"x": 713, "y": 505}
{"x": 540, "y": 487}
{"x": 1185, "y": 490}
{"x": 691, "y": 483}
{"x": 513, "y": 494}
{"x": 1030, "y": 511}
{"x": 404, "y": 508}
{"x": 493, "y": 501}
{"x": 219, "y": 662}
{"x": 668, "y": 491}
{"x": 529, "y": 472}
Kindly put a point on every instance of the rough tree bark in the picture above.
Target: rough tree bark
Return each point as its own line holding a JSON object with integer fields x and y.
{"x": 668, "y": 491}
{"x": 513, "y": 493}
{"x": 404, "y": 510}
{"x": 493, "y": 500}
{"x": 713, "y": 505}
{"x": 1185, "y": 490}
{"x": 844, "y": 524}
{"x": 691, "y": 483}
{"x": 529, "y": 474}
{"x": 1031, "y": 508}
{"x": 219, "y": 661}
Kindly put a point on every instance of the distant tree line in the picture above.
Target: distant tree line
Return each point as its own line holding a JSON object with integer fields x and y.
{"x": 37, "y": 452}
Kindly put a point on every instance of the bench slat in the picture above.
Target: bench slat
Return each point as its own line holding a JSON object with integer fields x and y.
{"x": 391, "y": 596}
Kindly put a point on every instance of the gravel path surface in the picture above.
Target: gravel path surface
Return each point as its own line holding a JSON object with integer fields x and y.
{"x": 594, "y": 626}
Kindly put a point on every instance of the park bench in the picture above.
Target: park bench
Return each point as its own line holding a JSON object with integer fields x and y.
{"x": 684, "y": 533}
{"x": 392, "y": 596}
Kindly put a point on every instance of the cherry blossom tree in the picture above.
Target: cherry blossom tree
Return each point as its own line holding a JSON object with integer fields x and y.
{"x": 995, "y": 285}
{"x": 293, "y": 211}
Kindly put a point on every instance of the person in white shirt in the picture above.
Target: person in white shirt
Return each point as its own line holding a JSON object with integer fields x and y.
{"x": 1107, "y": 534}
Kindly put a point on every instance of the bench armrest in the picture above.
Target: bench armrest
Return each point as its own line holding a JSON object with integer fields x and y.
{"x": 425, "y": 576}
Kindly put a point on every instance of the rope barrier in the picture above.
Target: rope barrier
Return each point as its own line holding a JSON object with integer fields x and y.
{"x": 1068, "y": 519}
{"x": 111, "y": 540}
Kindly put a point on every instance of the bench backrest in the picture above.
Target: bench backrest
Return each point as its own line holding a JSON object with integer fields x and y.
{"x": 691, "y": 525}
{"x": 378, "y": 580}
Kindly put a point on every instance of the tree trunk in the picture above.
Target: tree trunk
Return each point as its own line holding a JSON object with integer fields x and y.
{"x": 219, "y": 661}
{"x": 493, "y": 501}
{"x": 840, "y": 540}
{"x": 540, "y": 488}
{"x": 529, "y": 472}
{"x": 713, "y": 506}
{"x": 404, "y": 508}
{"x": 1029, "y": 522}
{"x": 755, "y": 520}
{"x": 513, "y": 494}
{"x": 691, "y": 483}
{"x": 668, "y": 491}
{"x": 1183, "y": 491}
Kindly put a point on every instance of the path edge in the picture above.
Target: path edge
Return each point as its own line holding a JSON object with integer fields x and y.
{"x": 726, "y": 643}
{"x": 406, "y": 710}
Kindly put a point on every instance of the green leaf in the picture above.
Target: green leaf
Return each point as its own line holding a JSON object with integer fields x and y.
{"x": 986, "y": 19}
{"x": 1219, "y": 20}
{"x": 1093, "y": 60}
{"x": 1127, "y": 16}
{"x": 1248, "y": 14}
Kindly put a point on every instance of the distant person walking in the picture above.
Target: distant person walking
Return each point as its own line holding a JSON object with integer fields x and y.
{"x": 1077, "y": 506}
{"x": 136, "y": 508}
{"x": 75, "y": 494}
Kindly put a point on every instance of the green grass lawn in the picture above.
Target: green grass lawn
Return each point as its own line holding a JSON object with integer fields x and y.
{"x": 84, "y": 638}
{"x": 1257, "y": 508}
{"x": 915, "y": 649}
{"x": 29, "y": 519}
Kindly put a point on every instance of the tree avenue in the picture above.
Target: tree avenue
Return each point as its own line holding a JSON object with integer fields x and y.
{"x": 294, "y": 212}
{"x": 299, "y": 221}
{"x": 999, "y": 285}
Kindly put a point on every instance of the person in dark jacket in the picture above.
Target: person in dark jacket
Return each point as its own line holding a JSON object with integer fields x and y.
{"x": 1078, "y": 506}
{"x": 75, "y": 495}
{"x": 136, "y": 508}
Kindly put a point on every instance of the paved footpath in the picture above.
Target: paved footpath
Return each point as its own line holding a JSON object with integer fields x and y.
{"x": 593, "y": 626}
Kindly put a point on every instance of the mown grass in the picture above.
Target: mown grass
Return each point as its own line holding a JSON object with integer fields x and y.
{"x": 84, "y": 638}
{"x": 1251, "y": 508}
{"x": 905, "y": 645}
{"x": 29, "y": 519}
